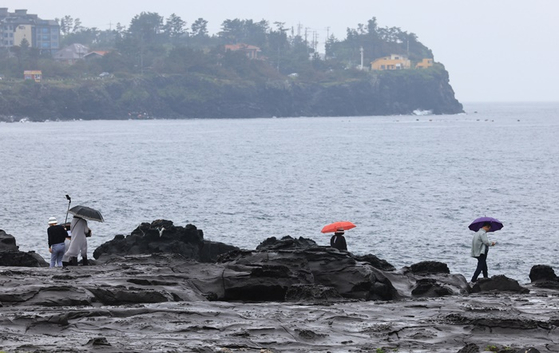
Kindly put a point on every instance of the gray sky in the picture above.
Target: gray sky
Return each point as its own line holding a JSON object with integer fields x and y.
{"x": 494, "y": 50}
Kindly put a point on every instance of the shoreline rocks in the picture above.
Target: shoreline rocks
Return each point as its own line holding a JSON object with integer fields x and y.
{"x": 10, "y": 255}
{"x": 287, "y": 295}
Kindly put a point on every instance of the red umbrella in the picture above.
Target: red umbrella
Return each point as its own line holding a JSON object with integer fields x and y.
{"x": 332, "y": 227}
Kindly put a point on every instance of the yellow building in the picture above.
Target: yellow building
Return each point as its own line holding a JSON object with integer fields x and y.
{"x": 424, "y": 64}
{"x": 34, "y": 75}
{"x": 392, "y": 62}
{"x": 22, "y": 32}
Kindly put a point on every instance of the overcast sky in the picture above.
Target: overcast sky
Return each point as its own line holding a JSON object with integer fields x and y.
{"x": 494, "y": 50}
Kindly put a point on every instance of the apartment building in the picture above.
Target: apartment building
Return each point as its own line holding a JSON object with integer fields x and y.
{"x": 19, "y": 25}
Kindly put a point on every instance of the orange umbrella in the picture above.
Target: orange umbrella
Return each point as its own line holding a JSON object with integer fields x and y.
{"x": 332, "y": 227}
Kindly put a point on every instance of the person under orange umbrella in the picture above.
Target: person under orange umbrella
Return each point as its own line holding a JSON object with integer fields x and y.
{"x": 338, "y": 240}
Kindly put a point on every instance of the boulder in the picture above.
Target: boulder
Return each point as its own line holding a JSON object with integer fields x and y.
{"x": 498, "y": 283}
{"x": 430, "y": 279}
{"x": 162, "y": 236}
{"x": 542, "y": 273}
{"x": 7, "y": 242}
{"x": 11, "y": 256}
{"x": 544, "y": 276}
{"x": 429, "y": 267}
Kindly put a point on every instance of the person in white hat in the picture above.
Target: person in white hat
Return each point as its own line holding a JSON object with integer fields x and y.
{"x": 56, "y": 236}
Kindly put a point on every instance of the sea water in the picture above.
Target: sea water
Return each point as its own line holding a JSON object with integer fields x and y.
{"x": 411, "y": 184}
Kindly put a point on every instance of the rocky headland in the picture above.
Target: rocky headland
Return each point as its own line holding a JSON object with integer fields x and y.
{"x": 163, "y": 288}
{"x": 196, "y": 96}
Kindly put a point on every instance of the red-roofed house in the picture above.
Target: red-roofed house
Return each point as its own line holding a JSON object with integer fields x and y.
{"x": 251, "y": 51}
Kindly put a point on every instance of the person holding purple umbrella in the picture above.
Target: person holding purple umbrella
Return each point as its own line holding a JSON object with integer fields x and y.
{"x": 480, "y": 248}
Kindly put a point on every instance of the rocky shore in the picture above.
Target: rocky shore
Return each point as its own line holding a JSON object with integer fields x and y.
{"x": 163, "y": 288}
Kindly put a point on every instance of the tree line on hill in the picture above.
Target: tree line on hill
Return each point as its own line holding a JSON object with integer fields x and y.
{"x": 154, "y": 45}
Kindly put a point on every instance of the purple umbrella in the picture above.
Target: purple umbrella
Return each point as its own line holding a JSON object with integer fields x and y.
{"x": 478, "y": 223}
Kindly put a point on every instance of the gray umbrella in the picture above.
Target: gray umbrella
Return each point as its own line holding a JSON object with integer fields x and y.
{"x": 86, "y": 213}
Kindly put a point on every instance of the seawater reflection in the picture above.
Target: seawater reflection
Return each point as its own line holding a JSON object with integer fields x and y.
{"x": 411, "y": 184}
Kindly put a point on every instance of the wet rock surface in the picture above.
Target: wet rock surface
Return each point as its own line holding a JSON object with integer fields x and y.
{"x": 289, "y": 295}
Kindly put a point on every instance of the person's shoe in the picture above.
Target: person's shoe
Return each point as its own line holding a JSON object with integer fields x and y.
{"x": 84, "y": 261}
{"x": 73, "y": 261}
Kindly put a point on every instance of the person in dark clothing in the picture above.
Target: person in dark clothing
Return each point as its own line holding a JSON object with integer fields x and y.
{"x": 56, "y": 236}
{"x": 338, "y": 240}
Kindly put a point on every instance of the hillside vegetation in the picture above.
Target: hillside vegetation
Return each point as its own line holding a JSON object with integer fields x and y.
{"x": 164, "y": 69}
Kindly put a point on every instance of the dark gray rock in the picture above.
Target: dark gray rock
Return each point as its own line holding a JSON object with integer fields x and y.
{"x": 542, "y": 273}
{"x": 499, "y": 283}
{"x": 268, "y": 275}
{"x": 11, "y": 256}
{"x": 427, "y": 267}
{"x": 7, "y": 242}
{"x": 376, "y": 262}
{"x": 162, "y": 236}
{"x": 286, "y": 243}
{"x": 428, "y": 287}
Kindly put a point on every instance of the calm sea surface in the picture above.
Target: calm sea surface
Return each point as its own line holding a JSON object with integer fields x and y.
{"x": 412, "y": 184}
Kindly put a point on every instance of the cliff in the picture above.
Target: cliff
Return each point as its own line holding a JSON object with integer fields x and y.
{"x": 199, "y": 96}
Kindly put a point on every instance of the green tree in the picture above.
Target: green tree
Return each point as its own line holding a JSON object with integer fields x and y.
{"x": 77, "y": 25}
{"x": 146, "y": 27}
{"x": 175, "y": 27}
{"x": 27, "y": 56}
{"x": 66, "y": 24}
{"x": 200, "y": 28}
{"x": 244, "y": 31}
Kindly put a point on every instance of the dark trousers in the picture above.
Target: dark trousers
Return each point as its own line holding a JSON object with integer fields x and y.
{"x": 481, "y": 267}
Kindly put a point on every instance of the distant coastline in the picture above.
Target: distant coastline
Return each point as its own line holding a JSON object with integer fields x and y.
{"x": 195, "y": 96}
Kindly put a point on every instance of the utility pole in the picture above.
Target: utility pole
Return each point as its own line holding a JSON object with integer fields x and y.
{"x": 306, "y": 42}
{"x": 361, "y": 50}
{"x": 408, "y": 47}
{"x": 326, "y": 42}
